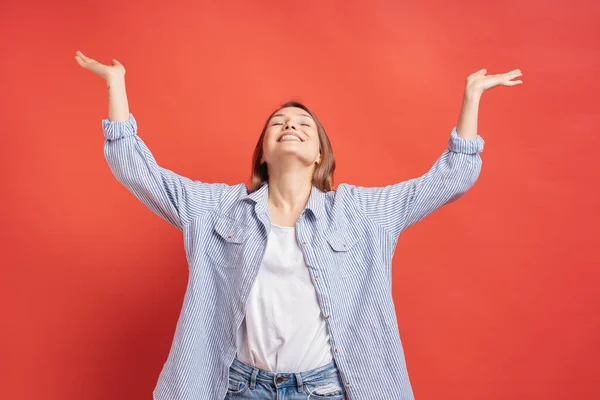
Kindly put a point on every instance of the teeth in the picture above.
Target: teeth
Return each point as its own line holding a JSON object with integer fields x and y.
{"x": 289, "y": 137}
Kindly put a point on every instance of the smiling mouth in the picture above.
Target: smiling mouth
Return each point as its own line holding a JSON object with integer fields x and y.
{"x": 289, "y": 138}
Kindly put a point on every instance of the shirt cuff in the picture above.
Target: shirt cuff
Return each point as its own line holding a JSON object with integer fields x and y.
{"x": 119, "y": 129}
{"x": 462, "y": 145}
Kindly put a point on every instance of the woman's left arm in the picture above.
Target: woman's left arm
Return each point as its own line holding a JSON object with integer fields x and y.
{"x": 396, "y": 207}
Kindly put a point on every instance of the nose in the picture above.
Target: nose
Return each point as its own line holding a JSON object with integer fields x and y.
{"x": 289, "y": 125}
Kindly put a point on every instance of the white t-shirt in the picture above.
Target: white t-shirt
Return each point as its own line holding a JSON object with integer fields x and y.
{"x": 283, "y": 329}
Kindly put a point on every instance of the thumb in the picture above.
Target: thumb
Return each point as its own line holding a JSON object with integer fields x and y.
{"x": 115, "y": 62}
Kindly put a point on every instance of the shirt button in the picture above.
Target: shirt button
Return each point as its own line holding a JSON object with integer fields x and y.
{"x": 316, "y": 278}
{"x": 304, "y": 243}
{"x": 229, "y": 236}
{"x": 347, "y": 384}
{"x": 327, "y": 315}
{"x": 336, "y": 350}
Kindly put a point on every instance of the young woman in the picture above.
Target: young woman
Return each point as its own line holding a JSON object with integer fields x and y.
{"x": 289, "y": 293}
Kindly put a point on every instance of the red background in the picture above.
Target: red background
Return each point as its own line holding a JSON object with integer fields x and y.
{"x": 496, "y": 294}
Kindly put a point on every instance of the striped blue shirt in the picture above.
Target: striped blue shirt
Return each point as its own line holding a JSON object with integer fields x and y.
{"x": 348, "y": 237}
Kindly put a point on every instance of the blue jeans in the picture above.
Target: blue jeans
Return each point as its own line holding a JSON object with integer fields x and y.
{"x": 248, "y": 382}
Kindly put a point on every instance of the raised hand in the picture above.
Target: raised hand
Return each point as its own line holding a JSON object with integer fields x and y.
{"x": 478, "y": 82}
{"x": 105, "y": 71}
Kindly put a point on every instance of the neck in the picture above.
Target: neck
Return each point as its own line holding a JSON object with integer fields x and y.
{"x": 289, "y": 196}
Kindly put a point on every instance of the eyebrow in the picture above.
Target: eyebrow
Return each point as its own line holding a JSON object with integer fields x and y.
{"x": 283, "y": 115}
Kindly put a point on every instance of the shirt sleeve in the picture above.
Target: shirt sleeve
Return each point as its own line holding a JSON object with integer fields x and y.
{"x": 173, "y": 197}
{"x": 396, "y": 207}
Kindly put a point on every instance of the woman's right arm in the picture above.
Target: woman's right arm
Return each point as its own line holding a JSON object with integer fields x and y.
{"x": 173, "y": 197}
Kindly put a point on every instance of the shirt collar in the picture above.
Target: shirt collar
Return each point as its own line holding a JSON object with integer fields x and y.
{"x": 316, "y": 200}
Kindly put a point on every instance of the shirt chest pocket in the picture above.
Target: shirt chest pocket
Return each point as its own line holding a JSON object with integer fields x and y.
{"x": 225, "y": 242}
{"x": 347, "y": 250}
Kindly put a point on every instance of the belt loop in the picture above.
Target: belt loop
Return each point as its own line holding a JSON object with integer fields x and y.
{"x": 299, "y": 382}
{"x": 253, "y": 377}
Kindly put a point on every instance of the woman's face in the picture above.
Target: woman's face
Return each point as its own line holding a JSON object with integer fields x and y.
{"x": 291, "y": 136}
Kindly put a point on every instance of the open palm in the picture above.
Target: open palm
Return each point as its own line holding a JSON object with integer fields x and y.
{"x": 105, "y": 71}
{"x": 479, "y": 82}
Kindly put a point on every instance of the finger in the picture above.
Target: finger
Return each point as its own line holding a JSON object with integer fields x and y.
{"x": 81, "y": 61}
{"x": 87, "y": 59}
{"x": 511, "y": 76}
{"x": 84, "y": 62}
{"x": 508, "y": 76}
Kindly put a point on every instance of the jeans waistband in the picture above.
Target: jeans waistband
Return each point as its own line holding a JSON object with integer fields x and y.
{"x": 282, "y": 379}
